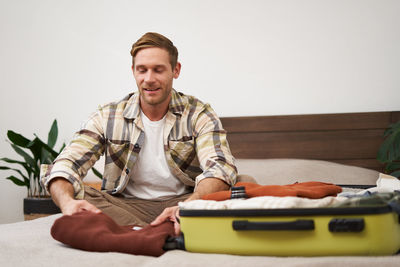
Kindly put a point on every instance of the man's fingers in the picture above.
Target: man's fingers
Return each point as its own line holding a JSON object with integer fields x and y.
{"x": 167, "y": 214}
{"x": 177, "y": 228}
{"x": 91, "y": 207}
{"x": 160, "y": 218}
{"x": 76, "y": 206}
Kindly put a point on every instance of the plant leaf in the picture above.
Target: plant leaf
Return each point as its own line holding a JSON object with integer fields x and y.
{"x": 389, "y": 150}
{"x": 396, "y": 147}
{"x": 38, "y": 145}
{"x": 46, "y": 157}
{"x": 12, "y": 161}
{"x": 17, "y": 181}
{"x": 34, "y": 147}
{"x": 394, "y": 150}
{"x": 62, "y": 147}
{"x": 382, "y": 155}
{"x": 41, "y": 153}
{"x": 20, "y": 173}
{"x": 396, "y": 174}
{"x": 97, "y": 173}
{"x": 26, "y": 156}
{"x": 30, "y": 164}
{"x": 17, "y": 139}
{"x": 53, "y": 134}
{"x": 22, "y": 163}
{"x": 392, "y": 166}
{"x": 28, "y": 168}
{"x": 392, "y": 128}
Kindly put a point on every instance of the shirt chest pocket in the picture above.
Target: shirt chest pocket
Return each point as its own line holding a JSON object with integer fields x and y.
{"x": 182, "y": 152}
{"x": 117, "y": 152}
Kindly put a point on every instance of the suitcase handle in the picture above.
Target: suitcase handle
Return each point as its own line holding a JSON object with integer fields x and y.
{"x": 244, "y": 225}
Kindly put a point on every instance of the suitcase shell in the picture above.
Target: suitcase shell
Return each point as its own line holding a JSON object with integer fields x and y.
{"x": 293, "y": 232}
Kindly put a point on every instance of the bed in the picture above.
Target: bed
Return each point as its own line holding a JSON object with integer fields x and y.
{"x": 338, "y": 148}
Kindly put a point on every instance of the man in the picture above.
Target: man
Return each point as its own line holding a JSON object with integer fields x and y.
{"x": 161, "y": 147}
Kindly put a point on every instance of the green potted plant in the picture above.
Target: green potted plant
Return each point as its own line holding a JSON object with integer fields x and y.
{"x": 389, "y": 152}
{"x": 34, "y": 153}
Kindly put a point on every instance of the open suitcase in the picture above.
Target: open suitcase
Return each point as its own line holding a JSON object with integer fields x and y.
{"x": 359, "y": 230}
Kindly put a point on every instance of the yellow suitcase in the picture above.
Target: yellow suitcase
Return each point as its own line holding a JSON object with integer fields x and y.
{"x": 372, "y": 230}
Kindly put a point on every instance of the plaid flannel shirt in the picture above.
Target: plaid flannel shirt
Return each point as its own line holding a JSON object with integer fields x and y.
{"x": 195, "y": 145}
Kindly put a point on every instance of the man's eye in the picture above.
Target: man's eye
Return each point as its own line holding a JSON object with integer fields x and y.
{"x": 141, "y": 70}
{"x": 159, "y": 70}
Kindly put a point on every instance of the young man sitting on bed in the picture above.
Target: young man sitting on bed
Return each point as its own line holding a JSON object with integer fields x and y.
{"x": 161, "y": 147}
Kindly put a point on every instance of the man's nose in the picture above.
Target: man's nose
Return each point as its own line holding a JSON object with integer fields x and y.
{"x": 149, "y": 77}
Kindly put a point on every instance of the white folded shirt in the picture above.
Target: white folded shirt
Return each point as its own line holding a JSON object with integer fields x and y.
{"x": 267, "y": 202}
{"x": 384, "y": 184}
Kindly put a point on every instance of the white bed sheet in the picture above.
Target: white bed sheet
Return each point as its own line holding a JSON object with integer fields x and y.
{"x": 30, "y": 244}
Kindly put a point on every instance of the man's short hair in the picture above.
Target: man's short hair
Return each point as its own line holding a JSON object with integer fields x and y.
{"x": 153, "y": 39}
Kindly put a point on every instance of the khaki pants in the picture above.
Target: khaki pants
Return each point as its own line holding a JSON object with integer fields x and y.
{"x": 135, "y": 211}
{"x": 129, "y": 211}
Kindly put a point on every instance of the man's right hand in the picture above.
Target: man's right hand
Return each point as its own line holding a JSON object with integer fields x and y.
{"x": 62, "y": 193}
{"x": 74, "y": 206}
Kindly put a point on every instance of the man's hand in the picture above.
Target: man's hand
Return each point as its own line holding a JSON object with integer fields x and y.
{"x": 205, "y": 186}
{"x": 169, "y": 214}
{"x": 62, "y": 193}
{"x": 75, "y": 206}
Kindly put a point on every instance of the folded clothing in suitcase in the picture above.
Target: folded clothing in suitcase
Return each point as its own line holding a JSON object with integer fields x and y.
{"x": 362, "y": 225}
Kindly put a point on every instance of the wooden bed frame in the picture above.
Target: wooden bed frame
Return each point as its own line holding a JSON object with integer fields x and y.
{"x": 347, "y": 138}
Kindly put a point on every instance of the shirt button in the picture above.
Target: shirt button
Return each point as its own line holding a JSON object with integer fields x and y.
{"x": 136, "y": 145}
{"x": 127, "y": 171}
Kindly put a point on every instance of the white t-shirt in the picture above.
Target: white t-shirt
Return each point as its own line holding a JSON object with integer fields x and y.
{"x": 151, "y": 177}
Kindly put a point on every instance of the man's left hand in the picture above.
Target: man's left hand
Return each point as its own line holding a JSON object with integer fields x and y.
{"x": 205, "y": 186}
{"x": 169, "y": 214}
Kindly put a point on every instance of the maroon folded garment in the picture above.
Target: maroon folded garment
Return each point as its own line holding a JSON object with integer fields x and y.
{"x": 98, "y": 232}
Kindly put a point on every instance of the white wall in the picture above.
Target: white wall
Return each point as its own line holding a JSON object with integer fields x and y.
{"x": 60, "y": 59}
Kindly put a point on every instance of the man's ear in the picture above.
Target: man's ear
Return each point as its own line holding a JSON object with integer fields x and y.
{"x": 177, "y": 70}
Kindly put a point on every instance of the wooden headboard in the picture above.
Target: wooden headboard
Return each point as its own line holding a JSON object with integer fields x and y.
{"x": 348, "y": 138}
